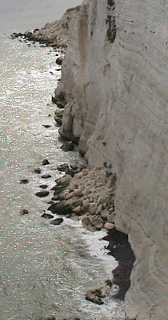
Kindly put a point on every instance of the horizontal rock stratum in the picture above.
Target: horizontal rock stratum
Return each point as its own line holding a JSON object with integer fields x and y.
{"x": 115, "y": 77}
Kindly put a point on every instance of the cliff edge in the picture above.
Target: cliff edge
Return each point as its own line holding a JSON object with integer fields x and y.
{"x": 115, "y": 81}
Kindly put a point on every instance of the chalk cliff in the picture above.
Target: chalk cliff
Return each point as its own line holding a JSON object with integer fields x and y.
{"x": 57, "y": 33}
{"x": 115, "y": 78}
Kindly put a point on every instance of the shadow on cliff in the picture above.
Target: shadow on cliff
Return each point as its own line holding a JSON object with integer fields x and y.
{"x": 120, "y": 248}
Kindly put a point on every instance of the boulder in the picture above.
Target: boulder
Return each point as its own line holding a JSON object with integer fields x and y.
{"x": 61, "y": 209}
{"x": 24, "y": 212}
{"x": 57, "y": 222}
{"x": 59, "y": 61}
{"x": 24, "y": 181}
{"x": 47, "y": 216}
{"x": 47, "y": 126}
{"x": 59, "y": 100}
{"x": 45, "y": 162}
{"x": 37, "y": 170}
{"x": 42, "y": 194}
{"x": 46, "y": 176}
{"x": 43, "y": 186}
{"x": 94, "y": 296}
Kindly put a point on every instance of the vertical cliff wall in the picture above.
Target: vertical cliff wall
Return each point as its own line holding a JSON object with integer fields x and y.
{"x": 115, "y": 77}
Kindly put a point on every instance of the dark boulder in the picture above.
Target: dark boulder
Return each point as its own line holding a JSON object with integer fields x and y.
{"x": 64, "y": 167}
{"x": 69, "y": 169}
{"x": 47, "y": 126}
{"x": 59, "y": 100}
{"x": 94, "y": 297}
{"x": 61, "y": 184}
{"x": 46, "y": 176}
{"x": 47, "y": 216}
{"x": 23, "y": 212}
{"x": 36, "y": 30}
{"x": 61, "y": 209}
{"x": 45, "y": 162}
{"x": 43, "y": 186}
{"x": 57, "y": 222}
{"x": 59, "y": 61}
{"x": 24, "y": 181}
{"x": 42, "y": 194}
{"x": 58, "y": 117}
{"x": 37, "y": 170}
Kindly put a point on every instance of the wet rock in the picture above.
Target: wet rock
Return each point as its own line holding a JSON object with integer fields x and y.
{"x": 59, "y": 61}
{"x": 59, "y": 189}
{"x": 47, "y": 216}
{"x": 76, "y": 318}
{"x": 42, "y": 194}
{"x": 53, "y": 99}
{"x": 60, "y": 208}
{"x": 58, "y": 117}
{"x": 50, "y": 202}
{"x": 35, "y": 30}
{"x": 24, "y": 181}
{"x": 28, "y": 35}
{"x": 45, "y": 162}
{"x": 15, "y": 35}
{"x": 94, "y": 296}
{"x": 23, "y": 212}
{"x": 47, "y": 318}
{"x": 63, "y": 167}
{"x": 43, "y": 186}
{"x": 46, "y": 176}
{"x": 68, "y": 146}
{"x": 98, "y": 294}
{"x": 67, "y": 169}
{"x": 109, "y": 283}
{"x": 62, "y": 183}
{"x": 37, "y": 170}
{"x": 57, "y": 221}
{"x": 58, "y": 121}
{"x": 47, "y": 126}
{"x": 58, "y": 197}
{"x": 59, "y": 100}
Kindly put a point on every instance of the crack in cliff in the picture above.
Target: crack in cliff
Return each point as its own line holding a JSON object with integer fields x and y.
{"x": 111, "y": 21}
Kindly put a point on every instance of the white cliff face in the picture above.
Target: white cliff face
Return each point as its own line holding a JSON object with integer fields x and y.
{"x": 116, "y": 81}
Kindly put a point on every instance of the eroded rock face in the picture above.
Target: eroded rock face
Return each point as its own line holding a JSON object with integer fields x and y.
{"x": 54, "y": 34}
{"x": 115, "y": 79}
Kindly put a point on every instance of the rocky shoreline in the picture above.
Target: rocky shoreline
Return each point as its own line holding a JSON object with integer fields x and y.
{"x": 55, "y": 34}
{"x": 89, "y": 196}
{"x": 82, "y": 193}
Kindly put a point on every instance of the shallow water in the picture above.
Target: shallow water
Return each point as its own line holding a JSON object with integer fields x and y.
{"x": 44, "y": 270}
